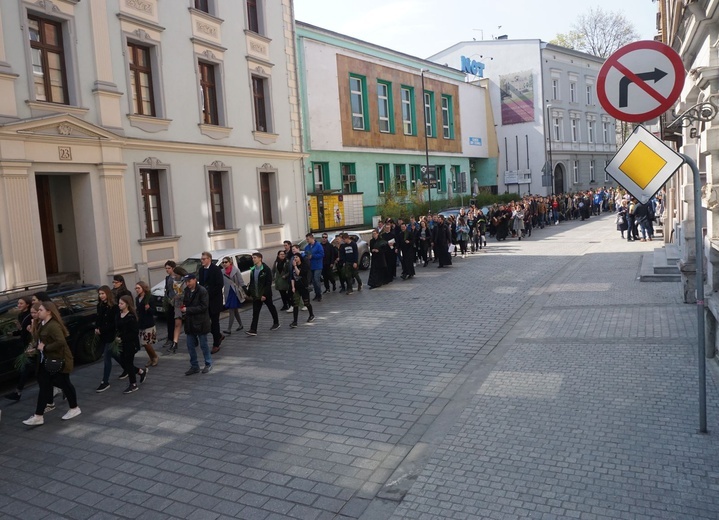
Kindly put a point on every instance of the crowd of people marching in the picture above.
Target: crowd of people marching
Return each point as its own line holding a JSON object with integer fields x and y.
{"x": 193, "y": 302}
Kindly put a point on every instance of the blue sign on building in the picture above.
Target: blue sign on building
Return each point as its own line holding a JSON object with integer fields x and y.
{"x": 470, "y": 66}
{"x": 475, "y": 141}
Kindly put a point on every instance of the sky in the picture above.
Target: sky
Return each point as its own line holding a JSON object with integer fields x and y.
{"x": 424, "y": 27}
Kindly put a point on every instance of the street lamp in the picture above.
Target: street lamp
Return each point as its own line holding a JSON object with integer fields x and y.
{"x": 426, "y": 143}
{"x": 549, "y": 136}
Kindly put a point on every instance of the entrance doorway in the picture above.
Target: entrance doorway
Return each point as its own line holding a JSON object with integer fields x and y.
{"x": 57, "y": 225}
{"x": 559, "y": 178}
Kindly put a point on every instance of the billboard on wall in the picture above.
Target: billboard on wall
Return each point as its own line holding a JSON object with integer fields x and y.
{"x": 517, "y": 97}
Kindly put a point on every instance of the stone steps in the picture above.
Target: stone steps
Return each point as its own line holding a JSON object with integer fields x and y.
{"x": 654, "y": 268}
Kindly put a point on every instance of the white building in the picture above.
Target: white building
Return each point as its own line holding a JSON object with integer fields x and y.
{"x": 539, "y": 89}
{"x": 136, "y": 131}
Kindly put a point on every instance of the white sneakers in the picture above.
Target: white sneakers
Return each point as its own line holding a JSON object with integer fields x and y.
{"x": 72, "y": 413}
{"x": 34, "y": 420}
{"x": 39, "y": 420}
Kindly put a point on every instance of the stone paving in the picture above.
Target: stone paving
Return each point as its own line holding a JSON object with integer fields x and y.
{"x": 539, "y": 379}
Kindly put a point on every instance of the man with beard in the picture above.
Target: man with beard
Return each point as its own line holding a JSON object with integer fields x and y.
{"x": 442, "y": 238}
{"x": 407, "y": 247}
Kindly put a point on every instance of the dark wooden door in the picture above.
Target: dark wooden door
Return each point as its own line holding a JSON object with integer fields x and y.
{"x": 47, "y": 225}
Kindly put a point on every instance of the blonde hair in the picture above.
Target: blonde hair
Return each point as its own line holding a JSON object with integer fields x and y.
{"x": 55, "y": 314}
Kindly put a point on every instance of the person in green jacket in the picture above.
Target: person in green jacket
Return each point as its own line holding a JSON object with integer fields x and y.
{"x": 54, "y": 350}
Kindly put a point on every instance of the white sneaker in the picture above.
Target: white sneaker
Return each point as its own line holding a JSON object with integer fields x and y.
{"x": 72, "y": 413}
{"x": 49, "y": 408}
{"x": 303, "y": 308}
{"x": 289, "y": 310}
{"x": 56, "y": 391}
{"x": 34, "y": 420}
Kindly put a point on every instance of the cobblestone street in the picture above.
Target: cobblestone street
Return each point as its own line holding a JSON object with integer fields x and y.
{"x": 540, "y": 379}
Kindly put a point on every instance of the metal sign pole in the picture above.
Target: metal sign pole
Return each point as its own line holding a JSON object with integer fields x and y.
{"x": 701, "y": 354}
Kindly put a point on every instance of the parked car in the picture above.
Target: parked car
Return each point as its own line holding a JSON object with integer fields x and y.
{"x": 78, "y": 307}
{"x": 334, "y": 238}
{"x": 242, "y": 258}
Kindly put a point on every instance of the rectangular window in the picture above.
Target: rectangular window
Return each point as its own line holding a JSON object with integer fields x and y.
{"x": 259, "y": 88}
{"x": 48, "y": 60}
{"x": 143, "y": 100}
{"x": 575, "y": 172}
{"x": 152, "y": 207}
{"x": 591, "y": 172}
{"x": 441, "y": 178}
{"x": 400, "y": 178}
{"x": 253, "y": 16}
{"x": 266, "y": 180}
{"x": 606, "y": 175}
{"x": 590, "y": 131}
{"x": 349, "y": 178}
{"x": 573, "y": 91}
{"x": 208, "y": 91}
{"x": 384, "y": 105}
{"x": 321, "y": 175}
{"x": 555, "y": 89}
{"x": 605, "y": 132}
{"x": 557, "y": 125}
{"x": 382, "y": 171}
{"x": 202, "y": 5}
{"x": 358, "y": 101}
{"x": 575, "y": 130}
{"x": 407, "y": 95}
{"x": 217, "y": 201}
{"x": 590, "y": 95}
{"x": 415, "y": 176}
{"x": 429, "y": 113}
{"x": 447, "y": 117}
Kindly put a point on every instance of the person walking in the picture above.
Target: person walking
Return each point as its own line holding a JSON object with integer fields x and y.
{"x": 146, "y": 322}
{"x": 210, "y": 277}
{"x": 233, "y": 294}
{"x": 178, "y": 290}
{"x": 195, "y": 308}
{"x": 105, "y": 333}
{"x": 407, "y": 248}
{"x": 168, "y": 302}
{"x": 260, "y": 290}
{"x": 119, "y": 288}
{"x": 299, "y": 279}
{"x": 56, "y": 364}
{"x": 350, "y": 258}
{"x": 378, "y": 268}
{"x": 24, "y": 332}
{"x": 315, "y": 253}
{"x": 328, "y": 263}
{"x": 128, "y": 331}
{"x": 281, "y": 276}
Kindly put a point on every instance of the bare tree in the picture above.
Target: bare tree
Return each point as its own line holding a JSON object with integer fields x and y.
{"x": 598, "y": 32}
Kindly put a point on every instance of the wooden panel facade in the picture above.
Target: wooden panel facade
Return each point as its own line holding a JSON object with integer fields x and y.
{"x": 373, "y": 138}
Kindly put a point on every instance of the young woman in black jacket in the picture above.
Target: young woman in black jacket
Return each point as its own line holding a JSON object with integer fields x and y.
{"x": 128, "y": 331}
{"x": 105, "y": 331}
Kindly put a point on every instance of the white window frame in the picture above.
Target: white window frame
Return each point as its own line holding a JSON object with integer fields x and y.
{"x": 427, "y": 107}
{"x": 575, "y": 130}
{"x": 555, "y": 89}
{"x": 360, "y": 94}
{"x": 605, "y": 131}
{"x": 575, "y": 172}
{"x": 407, "y": 122}
{"x": 318, "y": 176}
{"x": 606, "y": 175}
{"x": 591, "y": 172}
{"x": 385, "y": 126}
{"x": 381, "y": 179}
{"x": 572, "y": 91}
{"x": 590, "y": 95}
{"x": 446, "y": 118}
{"x": 590, "y": 131}
{"x": 557, "y": 128}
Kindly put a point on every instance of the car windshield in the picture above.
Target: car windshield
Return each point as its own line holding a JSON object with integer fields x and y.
{"x": 191, "y": 265}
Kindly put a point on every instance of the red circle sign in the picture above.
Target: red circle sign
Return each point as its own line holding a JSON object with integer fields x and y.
{"x": 640, "y": 81}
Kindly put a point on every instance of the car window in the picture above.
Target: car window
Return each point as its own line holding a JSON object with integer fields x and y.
{"x": 243, "y": 262}
{"x": 82, "y": 300}
{"x": 191, "y": 265}
{"x": 8, "y": 322}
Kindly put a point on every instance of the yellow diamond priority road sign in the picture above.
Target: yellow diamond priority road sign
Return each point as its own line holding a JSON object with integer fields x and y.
{"x": 643, "y": 164}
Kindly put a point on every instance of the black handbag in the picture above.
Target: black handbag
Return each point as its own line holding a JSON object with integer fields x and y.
{"x": 53, "y": 366}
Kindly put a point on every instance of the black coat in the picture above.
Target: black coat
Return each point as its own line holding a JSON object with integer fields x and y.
{"x": 212, "y": 280}
{"x": 197, "y": 317}
{"x": 128, "y": 331}
{"x": 264, "y": 284}
{"x": 105, "y": 321}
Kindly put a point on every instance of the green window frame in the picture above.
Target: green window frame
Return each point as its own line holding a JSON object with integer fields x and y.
{"x": 385, "y": 107}
{"x": 349, "y": 178}
{"x": 359, "y": 107}
{"x": 409, "y": 111}
{"x": 430, "y": 117}
{"x": 382, "y": 178}
{"x": 400, "y": 178}
{"x": 320, "y": 176}
{"x": 447, "y": 117}
{"x": 441, "y": 178}
{"x": 415, "y": 176}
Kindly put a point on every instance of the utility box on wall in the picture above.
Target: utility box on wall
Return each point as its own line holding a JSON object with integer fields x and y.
{"x": 328, "y": 211}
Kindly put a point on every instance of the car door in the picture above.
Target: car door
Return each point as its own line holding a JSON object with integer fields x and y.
{"x": 244, "y": 264}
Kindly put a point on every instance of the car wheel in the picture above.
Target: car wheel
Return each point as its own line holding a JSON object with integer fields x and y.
{"x": 364, "y": 262}
{"x": 88, "y": 347}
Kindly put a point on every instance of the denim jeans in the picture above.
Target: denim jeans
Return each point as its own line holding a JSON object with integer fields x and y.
{"x": 192, "y": 341}
{"x": 316, "y": 277}
{"x": 107, "y": 360}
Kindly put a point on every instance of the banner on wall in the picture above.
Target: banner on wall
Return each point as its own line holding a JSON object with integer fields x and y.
{"x": 517, "y": 97}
